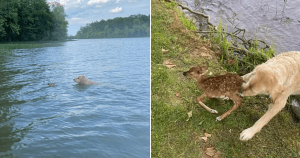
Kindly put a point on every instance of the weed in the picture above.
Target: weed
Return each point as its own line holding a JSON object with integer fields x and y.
{"x": 189, "y": 24}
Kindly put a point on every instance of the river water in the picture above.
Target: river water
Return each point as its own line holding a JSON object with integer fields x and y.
{"x": 111, "y": 119}
{"x": 278, "y": 22}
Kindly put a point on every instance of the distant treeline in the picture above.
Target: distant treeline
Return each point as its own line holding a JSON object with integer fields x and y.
{"x": 31, "y": 20}
{"x": 132, "y": 26}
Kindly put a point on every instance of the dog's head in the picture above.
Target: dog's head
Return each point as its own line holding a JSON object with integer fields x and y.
{"x": 80, "y": 79}
{"x": 195, "y": 72}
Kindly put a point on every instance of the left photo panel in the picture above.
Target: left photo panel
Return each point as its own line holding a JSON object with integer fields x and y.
{"x": 75, "y": 78}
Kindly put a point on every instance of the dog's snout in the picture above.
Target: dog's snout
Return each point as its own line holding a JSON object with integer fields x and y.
{"x": 184, "y": 73}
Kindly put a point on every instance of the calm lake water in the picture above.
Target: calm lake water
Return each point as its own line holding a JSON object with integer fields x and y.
{"x": 276, "y": 21}
{"x": 111, "y": 119}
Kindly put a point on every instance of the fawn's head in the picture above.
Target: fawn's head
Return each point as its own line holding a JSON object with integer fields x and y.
{"x": 195, "y": 72}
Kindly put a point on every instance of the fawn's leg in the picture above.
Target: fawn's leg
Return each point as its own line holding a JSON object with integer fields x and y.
{"x": 202, "y": 98}
{"x": 237, "y": 102}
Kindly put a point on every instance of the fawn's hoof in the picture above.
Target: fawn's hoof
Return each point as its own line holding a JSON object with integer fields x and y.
{"x": 213, "y": 111}
{"x": 218, "y": 118}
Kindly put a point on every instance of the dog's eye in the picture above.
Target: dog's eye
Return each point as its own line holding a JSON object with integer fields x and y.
{"x": 198, "y": 72}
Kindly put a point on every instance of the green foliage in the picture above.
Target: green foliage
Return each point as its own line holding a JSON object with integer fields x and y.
{"x": 185, "y": 21}
{"x": 220, "y": 38}
{"x": 59, "y": 22}
{"x": 256, "y": 56}
{"x": 170, "y": 5}
{"x": 9, "y": 19}
{"x": 34, "y": 19}
{"x": 31, "y": 20}
{"x": 132, "y": 26}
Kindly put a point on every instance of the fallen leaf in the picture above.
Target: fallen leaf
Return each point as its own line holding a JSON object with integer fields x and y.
{"x": 204, "y": 138}
{"x": 164, "y": 51}
{"x": 168, "y": 61}
{"x": 223, "y": 72}
{"x": 230, "y": 62}
{"x": 206, "y": 55}
{"x": 207, "y": 135}
{"x": 199, "y": 138}
{"x": 217, "y": 154}
{"x": 177, "y": 94}
{"x": 190, "y": 114}
{"x": 203, "y": 48}
{"x": 298, "y": 144}
{"x": 169, "y": 64}
{"x": 210, "y": 151}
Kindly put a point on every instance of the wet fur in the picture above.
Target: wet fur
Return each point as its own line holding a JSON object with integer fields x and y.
{"x": 279, "y": 77}
{"x": 84, "y": 80}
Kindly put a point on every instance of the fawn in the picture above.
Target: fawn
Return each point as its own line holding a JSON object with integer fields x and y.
{"x": 224, "y": 86}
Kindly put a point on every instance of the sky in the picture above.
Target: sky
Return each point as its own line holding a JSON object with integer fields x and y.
{"x": 81, "y": 12}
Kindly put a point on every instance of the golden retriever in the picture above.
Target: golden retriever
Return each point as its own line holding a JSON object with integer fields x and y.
{"x": 84, "y": 80}
{"x": 279, "y": 77}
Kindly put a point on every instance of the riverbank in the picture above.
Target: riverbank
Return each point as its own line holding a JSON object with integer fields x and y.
{"x": 9, "y": 46}
{"x": 174, "y": 133}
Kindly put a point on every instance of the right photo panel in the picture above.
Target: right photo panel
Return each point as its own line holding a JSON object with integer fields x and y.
{"x": 225, "y": 78}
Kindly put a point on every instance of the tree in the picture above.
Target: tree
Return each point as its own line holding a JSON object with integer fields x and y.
{"x": 2, "y": 29}
{"x": 35, "y": 20}
{"x": 133, "y": 26}
{"x": 60, "y": 24}
{"x": 23, "y": 20}
{"x": 9, "y": 19}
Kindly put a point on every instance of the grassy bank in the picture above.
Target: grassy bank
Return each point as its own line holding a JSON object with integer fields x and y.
{"x": 173, "y": 133}
{"x": 8, "y": 47}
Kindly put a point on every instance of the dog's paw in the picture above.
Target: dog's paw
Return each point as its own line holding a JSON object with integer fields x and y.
{"x": 218, "y": 118}
{"x": 213, "y": 111}
{"x": 247, "y": 134}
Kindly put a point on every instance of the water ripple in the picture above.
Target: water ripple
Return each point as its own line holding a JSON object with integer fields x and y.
{"x": 111, "y": 119}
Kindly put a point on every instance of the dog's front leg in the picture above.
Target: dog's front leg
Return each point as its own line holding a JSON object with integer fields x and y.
{"x": 274, "y": 108}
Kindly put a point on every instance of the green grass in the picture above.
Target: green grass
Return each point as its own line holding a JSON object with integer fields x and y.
{"x": 171, "y": 134}
{"x": 6, "y": 48}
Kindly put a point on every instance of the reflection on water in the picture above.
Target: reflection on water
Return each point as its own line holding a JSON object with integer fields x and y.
{"x": 276, "y": 21}
{"x": 111, "y": 119}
